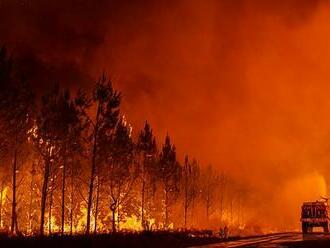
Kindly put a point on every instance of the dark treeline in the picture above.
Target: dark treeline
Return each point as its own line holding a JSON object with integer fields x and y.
{"x": 70, "y": 163}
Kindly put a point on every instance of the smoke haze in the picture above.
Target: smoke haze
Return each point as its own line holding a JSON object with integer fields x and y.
{"x": 243, "y": 85}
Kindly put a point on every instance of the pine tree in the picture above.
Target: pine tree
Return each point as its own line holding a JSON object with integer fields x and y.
{"x": 50, "y": 136}
{"x": 121, "y": 169}
{"x": 107, "y": 102}
{"x": 169, "y": 171}
{"x": 190, "y": 185}
{"x": 147, "y": 151}
{"x": 16, "y": 108}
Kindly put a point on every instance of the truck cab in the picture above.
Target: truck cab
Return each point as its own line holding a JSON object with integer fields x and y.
{"x": 314, "y": 214}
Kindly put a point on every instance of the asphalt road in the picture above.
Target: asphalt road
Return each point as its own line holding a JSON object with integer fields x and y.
{"x": 268, "y": 241}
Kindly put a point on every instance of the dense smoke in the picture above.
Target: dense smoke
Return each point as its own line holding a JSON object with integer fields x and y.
{"x": 239, "y": 84}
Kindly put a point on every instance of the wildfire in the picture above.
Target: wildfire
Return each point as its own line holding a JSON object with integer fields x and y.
{"x": 3, "y": 197}
{"x": 86, "y": 172}
{"x": 132, "y": 223}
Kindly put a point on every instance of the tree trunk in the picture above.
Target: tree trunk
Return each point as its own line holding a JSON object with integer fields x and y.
{"x": 13, "y": 208}
{"x": 63, "y": 196}
{"x": 44, "y": 195}
{"x": 142, "y": 203}
{"x": 51, "y": 199}
{"x": 192, "y": 211}
{"x": 166, "y": 209}
{"x": 71, "y": 207}
{"x": 1, "y": 197}
{"x": 90, "y": 191}
{"x": 186, "y": 197}
{"x": 31, "y": 199}
{"x": 97, "y": 205}
{"x": 113, "y": 211}
{"x": 118, "y": 218}
{"x": 208, "y": 204}
{"x": 221, "y": 208}
{"x": 185, "y": 213}
{"x": 50, "y": 212}
{"x": 93, "y": 170}
{"x": 207, "y": 212}
{"x": 71, "y": 218}
{"x": 16, "y": 224}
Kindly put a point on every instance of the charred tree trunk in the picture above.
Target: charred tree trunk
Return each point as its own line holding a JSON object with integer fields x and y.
{"x": 50, "y": 212}
{"x": 192, "y": 211}
{"x": 142, "y": 203}
{"x": 44, "y": 195}
{"x": 97, "y": 204}
{"x": 207, "y": 209}
{"x": 63, "y": 196}
{"x": 207, "y": 212}
{"x": 186, "y": 195}
{"x": 16, "y": 225}
{"x": 90, "y": 191}
{"x": 185, "y": 212}
{"x": 222, "y": 197}
{"x": 71, "y": 222}
{"x": 93, "y": 171}
{"x": 1, "y": 197}
{"x": 71, "y": 205}
{"x": 221, "y": 209}
{"x": 31, "y": 199}
{"x": 166, "y": 209}
{"x": 113, "y": 211}
{"x": 118, "y": 218}
{"x": 208, "y": 202}
{"x": 71, "y": 218}
{"x": 13, "y": 207}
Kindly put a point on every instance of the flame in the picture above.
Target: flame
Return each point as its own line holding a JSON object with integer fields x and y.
{"x": 4, "y": 195}
{"x": 54, "y": 226}
{"x": 81, "y": 226}
{"x": 3, "y": 201}
{"x": 132, "y": 223}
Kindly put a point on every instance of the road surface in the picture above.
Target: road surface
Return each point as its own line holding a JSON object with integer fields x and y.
{"x": 268, "y": 241}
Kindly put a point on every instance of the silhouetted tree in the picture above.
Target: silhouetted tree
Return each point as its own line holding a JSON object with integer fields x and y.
{"x": 169, "y": 171}
{"x": 32, "y": 206}
{"x": 53, "y": 184}
{"x": 147, "y": 151}
{"x": 209, "y": 186}
{"x": 75, "y": 170}
{"x": 122, "y": 177}
{"x": 49, "y": 135}
{"x": 107, "y": 102}
{"x": 121, "y": 169}
{"x": 16, "y": 104}
{"x": 71, "y": 144}
{"x": 190, "y": 185}
{"x": 222, "y": 190}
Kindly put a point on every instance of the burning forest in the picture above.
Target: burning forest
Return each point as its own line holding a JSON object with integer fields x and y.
{"x": 71, "y": 163}
{"x": 187, "y": 122}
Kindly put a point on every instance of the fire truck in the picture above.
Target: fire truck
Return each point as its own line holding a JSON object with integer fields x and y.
{"x": 315, "y": 214}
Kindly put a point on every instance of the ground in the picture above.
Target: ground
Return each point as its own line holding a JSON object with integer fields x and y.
{"x": 169, "y": 240}
{"x": 119, "y": 240}
{"x": 277, "y": 240}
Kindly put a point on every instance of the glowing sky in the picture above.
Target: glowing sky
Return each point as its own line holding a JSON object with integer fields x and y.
{"x": 243, "y": 85}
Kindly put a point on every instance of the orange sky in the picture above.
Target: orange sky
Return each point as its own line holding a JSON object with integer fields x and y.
{"x": 243, "y": 85}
